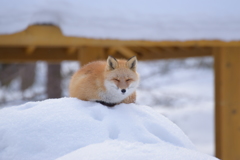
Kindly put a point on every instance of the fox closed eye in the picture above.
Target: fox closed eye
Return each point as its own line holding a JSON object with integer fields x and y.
{"x": 116, "y": 80}
{"x": 128, "y": 80}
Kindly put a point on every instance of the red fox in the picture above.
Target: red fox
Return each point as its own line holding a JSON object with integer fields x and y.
{"x": 107, "y": 82}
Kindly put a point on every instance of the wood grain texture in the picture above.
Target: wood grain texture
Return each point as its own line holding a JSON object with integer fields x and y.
{"x": 227, "y": 103}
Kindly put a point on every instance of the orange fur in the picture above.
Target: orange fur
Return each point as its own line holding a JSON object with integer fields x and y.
{"x": 105, "y": 81}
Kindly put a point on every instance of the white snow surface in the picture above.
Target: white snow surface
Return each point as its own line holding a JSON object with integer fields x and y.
{"x": 128, "y": 20}
{"x": 197, "y": 123}
{"x": 69, "y": 128}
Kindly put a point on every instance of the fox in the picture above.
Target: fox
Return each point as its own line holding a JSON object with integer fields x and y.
{"x": 108, "y": 82}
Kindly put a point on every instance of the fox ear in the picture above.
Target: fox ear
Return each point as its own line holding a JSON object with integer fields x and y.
{"x": 112, "y": 63}
{"x": 132, "y": 63}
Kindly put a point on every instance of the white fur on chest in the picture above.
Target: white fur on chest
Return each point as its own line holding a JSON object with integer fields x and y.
{"x": 113, "y": 94}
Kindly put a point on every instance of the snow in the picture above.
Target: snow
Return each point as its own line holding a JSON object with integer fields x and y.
{"x": 184, "y": 93}
{"x": 69, "y": 128}
{"x": 197, "y": 122}
{"x": 122, "y": 150}
{"x": 135, "y": 19}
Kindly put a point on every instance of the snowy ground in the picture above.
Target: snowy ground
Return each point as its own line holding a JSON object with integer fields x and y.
{"x": 182, "y": 91}
{"x": 69, "y": 128}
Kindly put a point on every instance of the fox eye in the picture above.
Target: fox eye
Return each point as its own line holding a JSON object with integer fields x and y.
{"x": 128, "y": 80}
{"x": 116, "y": 80}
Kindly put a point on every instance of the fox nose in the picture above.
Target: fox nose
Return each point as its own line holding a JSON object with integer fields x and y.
{"x": 123, "y": 90}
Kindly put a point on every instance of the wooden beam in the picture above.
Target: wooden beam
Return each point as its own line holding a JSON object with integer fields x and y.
{"x": 152, "y": 53}
{"x": 18, "y": 54}
{"x": 88, "y": 54}
{"x": 71, "y": 50}
{"x": 111, "y": 51}
{"x": 227, "y": 102}
{"x": 9, "y": 55}
{"x": 30, "y": 49}
{"x": 124, "y": 51}
{"x": 51, "y": 36}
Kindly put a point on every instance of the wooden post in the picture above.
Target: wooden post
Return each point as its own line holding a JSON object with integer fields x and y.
{"x": 88, "y": 54}
{"x": 54, "y": 89}
{"x": 227, "y": 102}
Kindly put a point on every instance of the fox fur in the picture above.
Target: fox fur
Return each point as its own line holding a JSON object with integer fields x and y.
{"x": 109, "y": 82}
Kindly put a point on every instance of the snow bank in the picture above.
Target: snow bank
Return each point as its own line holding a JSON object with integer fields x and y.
{"x": 197, "y": 123}
{"x": 123, "y": 150}
{"x": 135, "y": 19}
{"x": 69, "y": 128}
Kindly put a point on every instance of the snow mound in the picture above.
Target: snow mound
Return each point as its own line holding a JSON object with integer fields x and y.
{"x": 135, "y": 19}
{"x": 69, "y": 128}
{"x": 123, "y": 150}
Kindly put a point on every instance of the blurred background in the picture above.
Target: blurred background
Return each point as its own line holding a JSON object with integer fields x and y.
{"x": 169, "y": 83}
{"x": 180, "y": 89}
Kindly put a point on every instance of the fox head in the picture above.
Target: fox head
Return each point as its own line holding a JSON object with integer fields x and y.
{"x": 121, "y": 78}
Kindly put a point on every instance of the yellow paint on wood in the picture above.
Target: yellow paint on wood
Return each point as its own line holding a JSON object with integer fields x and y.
{"x": 19, "y": 54}
{"x": 125, "y": 52}
{"x": 13, "y": 55}
{"x": 111, "y": 51}
{"x": 30, "y": 49}
{"x": 51, "y": 36}
{"x": 88, "y": 54}
{"x": 227, "y": 99}
{"x": 152, "y": 53}
{"x": 71, "y": 50}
